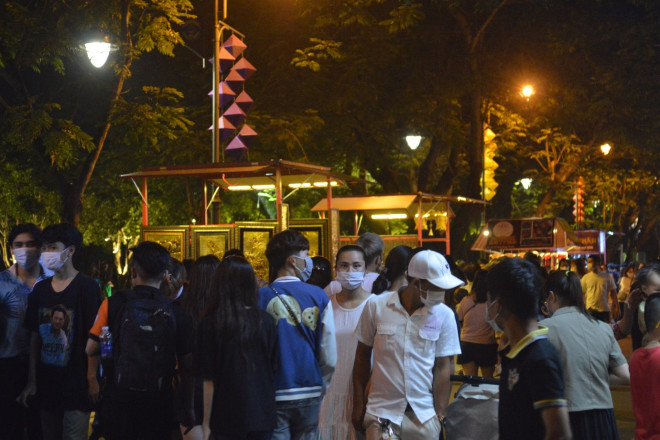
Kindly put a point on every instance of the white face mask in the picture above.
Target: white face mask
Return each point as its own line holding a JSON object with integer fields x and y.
{"x": 53, "y": 260}
{"x": 26, "y": 257}
{"x": 491, "y": 321}
{"x": 307, "y": 271}
{"x": 433, "y": 297}
{"x": 350, "y": 280}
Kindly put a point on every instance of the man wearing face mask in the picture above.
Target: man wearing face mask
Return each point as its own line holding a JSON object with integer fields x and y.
{"x": 16, "y": 284}
{"x": 64, "y": 392}
{"x": 413, "y": 338}
{"x": 599, "y": 287}
{"x": 307, "y": 351}
{"x": 532, "y": 401}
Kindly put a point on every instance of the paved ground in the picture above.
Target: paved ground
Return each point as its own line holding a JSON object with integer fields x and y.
{"x": 625, "y": 417}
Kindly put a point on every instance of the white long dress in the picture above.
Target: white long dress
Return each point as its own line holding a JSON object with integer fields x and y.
{"x": 337, "y": 404}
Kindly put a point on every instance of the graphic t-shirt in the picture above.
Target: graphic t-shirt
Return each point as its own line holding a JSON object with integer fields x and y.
{"x": 54, "y": 345}
{"x": 62, "y": 367}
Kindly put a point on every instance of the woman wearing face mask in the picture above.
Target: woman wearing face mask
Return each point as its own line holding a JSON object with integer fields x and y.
{"x": 478, "y": 346}
{"x": 590, "y": 356}
{"x": 347, "y": 305}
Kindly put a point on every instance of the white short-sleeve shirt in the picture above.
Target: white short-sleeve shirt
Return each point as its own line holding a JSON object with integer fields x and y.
{"x": 404, "y": 352}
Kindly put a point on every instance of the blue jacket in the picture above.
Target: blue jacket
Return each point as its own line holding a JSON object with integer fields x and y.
{"x": 305, "y": 362}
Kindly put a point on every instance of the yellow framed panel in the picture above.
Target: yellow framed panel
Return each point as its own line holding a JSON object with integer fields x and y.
{"x": 212, "y": 240}
{"x": 252, "y": 238}
{"x": 173, "y": 238}
{"x": 316, "y": 231}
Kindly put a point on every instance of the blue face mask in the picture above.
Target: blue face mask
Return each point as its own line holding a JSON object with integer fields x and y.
{"x": 307, "y": 271}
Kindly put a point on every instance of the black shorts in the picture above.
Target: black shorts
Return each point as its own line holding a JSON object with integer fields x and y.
{"x": 484, "y": 355}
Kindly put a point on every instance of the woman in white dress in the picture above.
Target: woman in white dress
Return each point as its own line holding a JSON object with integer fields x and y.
{"x": 347, "y": 305}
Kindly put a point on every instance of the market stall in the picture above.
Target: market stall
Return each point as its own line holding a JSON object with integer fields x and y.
{"x": 551, "y": 238}
{"x": 432, "y": 214}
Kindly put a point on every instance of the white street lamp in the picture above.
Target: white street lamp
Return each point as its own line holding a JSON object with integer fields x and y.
{"x": 98, "y": 51}
{"x": 413, "y": 141}
{"x": 605, "y": 149}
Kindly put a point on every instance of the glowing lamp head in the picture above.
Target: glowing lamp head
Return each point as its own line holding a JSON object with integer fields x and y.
{"x": 605, "y": 149}
{"x": 98, "y": 52}
{"x": 527, "y": 91}
{"x": 413, "y": 141}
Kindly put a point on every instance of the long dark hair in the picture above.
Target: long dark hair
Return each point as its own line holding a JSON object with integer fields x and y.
{"x": 566, "y": 286}
{"x": 480, "y": 286}
{"x": 197, "y": 293}
{"x": 396, "y": 264}
{"x": 233, "y": 290}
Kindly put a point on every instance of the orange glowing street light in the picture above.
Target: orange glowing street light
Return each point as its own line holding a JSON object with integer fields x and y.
{"x": 527, "y": 91}
{"x": 605, "y": 149}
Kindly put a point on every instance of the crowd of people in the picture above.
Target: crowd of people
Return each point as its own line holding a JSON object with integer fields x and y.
{"x": 214, "y": 352}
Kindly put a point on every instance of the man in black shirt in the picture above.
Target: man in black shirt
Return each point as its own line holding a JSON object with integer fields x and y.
{"x": 58, "y": 365}
{"x": 532, "y": 403}
{"x": 137, "y": 409}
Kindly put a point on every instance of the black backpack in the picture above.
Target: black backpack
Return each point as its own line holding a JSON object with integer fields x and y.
{"x": 144, "y": 343}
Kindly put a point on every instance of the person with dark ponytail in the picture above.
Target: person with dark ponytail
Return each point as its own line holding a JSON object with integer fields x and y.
{"x": 193, "y": 301}
{"x": 393, "y": 275}
{"x": 237, "y": 357}
{"x": 590, "y": 356}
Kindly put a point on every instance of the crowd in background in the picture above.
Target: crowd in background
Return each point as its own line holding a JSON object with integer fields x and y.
{"x": 300, "y": 355}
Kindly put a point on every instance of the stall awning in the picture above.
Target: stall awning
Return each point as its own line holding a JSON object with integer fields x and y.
{"x": 367, "y": 203}
{"x": 252, "y": 175}
{"x": 246, "y": 176}
{"x": 389, "y": 202}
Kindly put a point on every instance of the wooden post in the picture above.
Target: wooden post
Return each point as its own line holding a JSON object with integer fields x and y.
{"x": 447, "y": 236}
{"x": 419, "y": 220}
{"x": 145, "y": 207}
{"x": 278, "y": 193}
{"x": 206, "y": 203}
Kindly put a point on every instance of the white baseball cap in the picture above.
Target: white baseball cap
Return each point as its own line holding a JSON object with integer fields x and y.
{"x": 432, "y": 266}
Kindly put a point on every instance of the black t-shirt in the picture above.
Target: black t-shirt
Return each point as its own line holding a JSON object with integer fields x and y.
{"x": 244, "y": 389}
{"x": 531, "y": 381}
{"x": 62, "y": 368}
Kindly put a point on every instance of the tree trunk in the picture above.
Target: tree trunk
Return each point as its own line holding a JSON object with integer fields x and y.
{"x": 560, "y": 178}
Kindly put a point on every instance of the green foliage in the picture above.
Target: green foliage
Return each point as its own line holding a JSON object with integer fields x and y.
{"x": 63, "y": 143}
{"x": 403, "y": 17}
{"x": 311, "y": 57}
{"x": 287, "y": 134}
{"x": 149, "y": 120}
